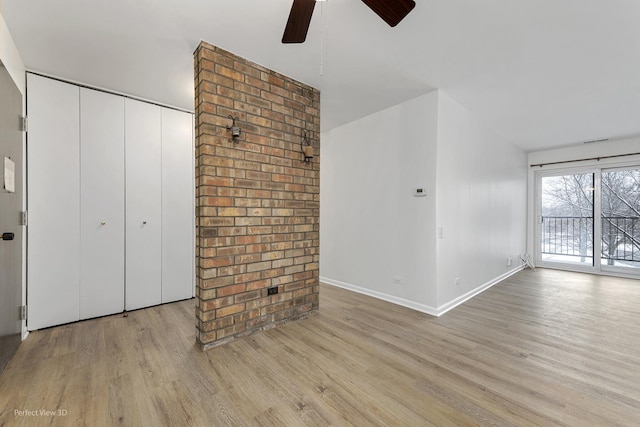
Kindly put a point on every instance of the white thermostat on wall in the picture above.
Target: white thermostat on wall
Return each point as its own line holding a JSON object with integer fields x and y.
{"x": 420, "y": 192}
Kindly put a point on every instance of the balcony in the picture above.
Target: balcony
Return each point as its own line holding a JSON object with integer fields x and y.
{"x": 570, "y": 239}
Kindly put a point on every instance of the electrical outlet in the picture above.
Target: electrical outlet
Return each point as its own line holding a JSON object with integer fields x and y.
{"x": 272, "y": 291}
{"x": 509, "y": 262}
{"x": 396, "y": 280}
{"x": 456, "y": 281}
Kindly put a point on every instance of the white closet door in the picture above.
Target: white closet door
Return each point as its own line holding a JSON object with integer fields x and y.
{"x": 102, "y": 203}
{"x": 54, "y": 202}
{"x": 143, "y": 166}
{"x": 178, "y": 196}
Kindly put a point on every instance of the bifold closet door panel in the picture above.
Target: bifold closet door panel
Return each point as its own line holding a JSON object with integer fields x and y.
{"x": 143, "y": 144}
{"x": 178, "y": 201}
{"x": 53, "y": 174}
{"x": 101, "y": 203}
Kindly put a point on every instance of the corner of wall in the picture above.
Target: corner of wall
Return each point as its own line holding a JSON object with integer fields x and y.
{"x": 380, "y": 240}
{"x": 10, "y": 57}
{"x": 481, "y": 202}
{"x": 12, "y": 61}
{"x": 376, "y": 234}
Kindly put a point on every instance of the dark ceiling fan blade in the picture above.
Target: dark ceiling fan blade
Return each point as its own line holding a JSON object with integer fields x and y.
{"x": 299, "y": 21}
{"x": 391, "y": 11}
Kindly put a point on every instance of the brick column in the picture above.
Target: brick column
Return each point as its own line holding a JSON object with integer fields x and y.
{"x": 258, "y": 205}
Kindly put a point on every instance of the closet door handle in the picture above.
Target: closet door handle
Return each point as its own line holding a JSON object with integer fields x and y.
{"x": 103, "y": 222}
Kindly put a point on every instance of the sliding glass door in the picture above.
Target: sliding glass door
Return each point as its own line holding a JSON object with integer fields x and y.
{"x": 589, "y": 220}
{"x": 566, "y": 220}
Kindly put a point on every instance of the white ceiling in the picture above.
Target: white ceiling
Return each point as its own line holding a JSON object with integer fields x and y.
{"x": 543, "y": 73}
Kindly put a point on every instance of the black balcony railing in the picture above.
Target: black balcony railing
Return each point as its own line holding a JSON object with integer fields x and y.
{"x": 567, "y": 235}
{"x": 573, "y": 236}
{"x": 621, "y": 238}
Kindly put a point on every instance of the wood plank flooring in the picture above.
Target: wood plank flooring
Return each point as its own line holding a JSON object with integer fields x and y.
{"x": 542, "y": 348}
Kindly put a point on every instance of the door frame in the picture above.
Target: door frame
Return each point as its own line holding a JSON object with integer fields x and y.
{"x": 11, "y": 251}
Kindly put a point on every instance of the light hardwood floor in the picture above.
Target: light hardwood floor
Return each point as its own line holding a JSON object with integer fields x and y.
{"x": 542, "y": 348}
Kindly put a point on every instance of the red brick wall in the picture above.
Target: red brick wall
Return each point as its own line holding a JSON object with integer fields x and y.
{"x": 258, "y": 205}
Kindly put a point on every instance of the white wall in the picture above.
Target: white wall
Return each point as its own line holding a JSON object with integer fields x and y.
{"x": 10, "y": 57}
{"x": 372, "y": 228}
{"x": 577, "y": 152}
{"x": 12, "y": 61}
{"x": 481, "y": 204}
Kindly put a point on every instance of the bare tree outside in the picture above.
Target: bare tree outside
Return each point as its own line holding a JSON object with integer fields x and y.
{"x": 620, "y": 217}
{"x": 568, "y": 214}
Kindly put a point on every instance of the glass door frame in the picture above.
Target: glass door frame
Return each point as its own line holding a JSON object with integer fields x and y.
{"x": 598, "y": 267}
{"x": 612, "y": 269}
{"x": 596, "y": 244}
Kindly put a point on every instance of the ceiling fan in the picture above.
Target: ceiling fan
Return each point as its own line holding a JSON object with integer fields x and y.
{"x": 391, "y": 11}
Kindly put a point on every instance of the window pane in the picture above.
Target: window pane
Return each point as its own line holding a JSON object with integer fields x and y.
{"x": 620, "y": 218}
{"x": 567, "y": 218}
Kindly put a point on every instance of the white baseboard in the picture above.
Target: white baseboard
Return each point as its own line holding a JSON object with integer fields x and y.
{"x": 419, "y": 306}
{"x": 472, "y": 293}
{"x": 382, "y": 296}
